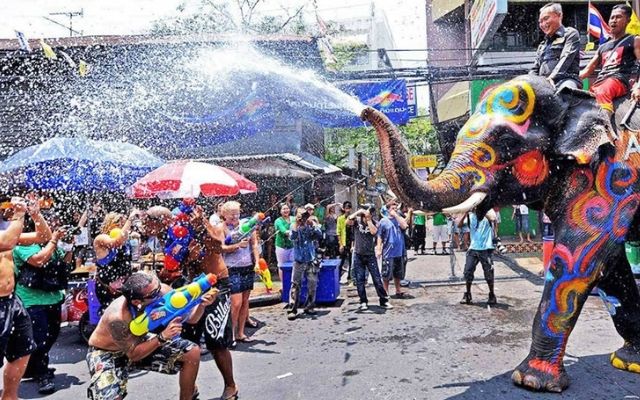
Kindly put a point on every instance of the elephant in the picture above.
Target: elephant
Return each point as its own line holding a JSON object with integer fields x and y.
{"x": 556, "y": 152}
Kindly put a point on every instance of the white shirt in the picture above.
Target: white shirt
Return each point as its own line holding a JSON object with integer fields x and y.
{"x": 524, "y": 210}
{"x": 214, "y": 219}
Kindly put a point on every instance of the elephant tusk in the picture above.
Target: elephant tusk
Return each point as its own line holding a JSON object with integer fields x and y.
{"x": 473, "y": 200}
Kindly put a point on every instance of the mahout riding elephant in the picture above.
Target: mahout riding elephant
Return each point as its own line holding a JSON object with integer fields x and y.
{"x": 527, "y": 144}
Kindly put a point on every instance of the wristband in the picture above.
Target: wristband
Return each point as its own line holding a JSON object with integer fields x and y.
{"x": 161, "y": 338}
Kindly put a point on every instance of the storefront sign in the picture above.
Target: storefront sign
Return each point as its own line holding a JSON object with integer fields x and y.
{"x": 425, "y": 161}
{"x": 485, "y": 17}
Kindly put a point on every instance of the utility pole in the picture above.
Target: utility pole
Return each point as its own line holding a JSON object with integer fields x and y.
{"x": 69, "y": 14}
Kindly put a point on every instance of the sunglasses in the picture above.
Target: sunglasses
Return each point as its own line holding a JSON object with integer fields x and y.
{"x": 155, "y": 293}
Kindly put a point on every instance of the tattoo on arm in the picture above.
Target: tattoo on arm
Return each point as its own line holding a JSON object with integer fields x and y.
{"x": 121, "y": 336}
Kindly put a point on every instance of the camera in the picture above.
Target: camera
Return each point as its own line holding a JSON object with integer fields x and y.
{"x": 497, "y": 244}
{"x": 71, "y": 230}
{"x": 304, "y": 216}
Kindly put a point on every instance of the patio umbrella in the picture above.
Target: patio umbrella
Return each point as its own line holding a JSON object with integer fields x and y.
{"x": 78, "y": 164}
{"x": 190, "y": 179}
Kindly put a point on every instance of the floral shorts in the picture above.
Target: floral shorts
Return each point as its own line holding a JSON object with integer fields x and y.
{"x": 110, "y": 369}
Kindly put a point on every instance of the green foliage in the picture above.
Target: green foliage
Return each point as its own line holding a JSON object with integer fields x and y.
{"x": 346, "y": 54}
{"x": 418, "y": 135}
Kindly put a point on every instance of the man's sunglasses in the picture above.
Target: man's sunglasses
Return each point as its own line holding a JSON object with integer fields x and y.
{"x": 155, "y": 293}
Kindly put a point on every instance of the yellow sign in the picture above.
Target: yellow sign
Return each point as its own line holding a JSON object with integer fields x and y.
{"x": 425, "y": 161}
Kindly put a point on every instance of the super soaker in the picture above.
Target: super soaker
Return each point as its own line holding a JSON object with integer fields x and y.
{"x": 175, "y": 303}
{"x": 265, "y": 274}
{"x": 246, "y": 228}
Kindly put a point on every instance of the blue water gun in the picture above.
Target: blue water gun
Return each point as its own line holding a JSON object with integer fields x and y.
{"x": 174, "y": 304}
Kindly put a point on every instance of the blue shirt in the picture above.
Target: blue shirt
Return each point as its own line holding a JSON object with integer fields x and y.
{"x": 304, "y": 248}
{"x": 392, "y": 238}
{"x": 481, "y": 233}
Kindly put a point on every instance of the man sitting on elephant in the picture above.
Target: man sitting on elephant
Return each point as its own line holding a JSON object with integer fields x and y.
{"x": 558, "y": 56}
{"x": 616, "y": 59}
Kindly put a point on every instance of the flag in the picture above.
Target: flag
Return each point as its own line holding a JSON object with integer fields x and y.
{"x": 68, "y": 59}
{"x": 597, "y": 26}
{"x": 83, "y": 68}
{"x": 48, "y": 51}
{"x": 590, "y": 46}
{"x": 634, "y": 25}
{"x": 22, "y": 39}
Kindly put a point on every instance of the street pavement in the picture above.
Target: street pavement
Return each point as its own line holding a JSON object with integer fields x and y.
{"x": 427, "y": 347}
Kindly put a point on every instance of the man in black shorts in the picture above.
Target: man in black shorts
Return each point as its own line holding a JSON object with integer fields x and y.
{"x": 16, "y": 336}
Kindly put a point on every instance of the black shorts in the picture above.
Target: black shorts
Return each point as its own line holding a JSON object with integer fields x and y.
{"x": 241, "y": 279}
{"x": 16, "y": 335}
{"x": 393, "y": 268}
{"x": 215, "y": 322}
{"x": 478, "y": 256}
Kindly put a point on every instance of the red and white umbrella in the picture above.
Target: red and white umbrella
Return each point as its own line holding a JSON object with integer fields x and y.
{"x": 190, "y": 179}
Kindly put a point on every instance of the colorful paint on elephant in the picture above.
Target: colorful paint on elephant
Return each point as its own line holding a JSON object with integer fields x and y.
{"x": 511, "y": 104}
{"x": 601, "y": 216}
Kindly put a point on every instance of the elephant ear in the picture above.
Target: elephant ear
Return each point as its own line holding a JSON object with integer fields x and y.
{"x": 582, "y": 139}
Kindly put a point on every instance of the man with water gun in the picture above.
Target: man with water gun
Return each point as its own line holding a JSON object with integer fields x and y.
{"x": 113, "y": 346}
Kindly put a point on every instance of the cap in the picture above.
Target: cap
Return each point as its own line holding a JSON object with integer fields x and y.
{"x": 309, "y": 205}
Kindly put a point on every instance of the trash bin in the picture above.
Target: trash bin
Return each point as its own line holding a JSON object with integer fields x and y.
{"x": 328, "y": 282}
{"x": 632, "y": 250}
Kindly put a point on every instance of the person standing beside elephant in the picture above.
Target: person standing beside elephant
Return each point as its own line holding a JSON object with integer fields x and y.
{"x": 480, "y": 251}
{"x": 616, "y": 59}
{"x": 391, "y": 247}
{"x": 521, "y": 217}
{"x": 558, "y": 55}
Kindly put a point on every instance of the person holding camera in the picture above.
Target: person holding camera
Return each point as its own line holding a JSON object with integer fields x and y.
{"x": 364, "y": 256}
{"x": 480, "y": 251}
{"x": 391, "y": 247}
{"x": 305, "y": 231}
{"x": 43, "y": 272}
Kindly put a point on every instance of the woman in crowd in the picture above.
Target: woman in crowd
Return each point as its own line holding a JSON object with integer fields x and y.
{"x": 242, "y": 261}
{"x": 42, "y": 269}
{"x": 331, "y": 233}
{"x": 284, "y": 245}
{"x": 113, "y": 256}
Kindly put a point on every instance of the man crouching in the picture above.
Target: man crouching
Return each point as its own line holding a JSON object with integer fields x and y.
{"x": 114, "y": 350}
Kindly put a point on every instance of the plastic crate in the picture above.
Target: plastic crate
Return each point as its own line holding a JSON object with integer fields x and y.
{"x": 328, "y": 282}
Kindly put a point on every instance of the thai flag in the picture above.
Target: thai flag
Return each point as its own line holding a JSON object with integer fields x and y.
{"x": 598, "y": 28}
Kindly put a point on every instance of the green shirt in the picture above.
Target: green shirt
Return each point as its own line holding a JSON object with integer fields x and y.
{"x": 439, "y": 219}
{"x": 34, "y": 297}
{"x": 282, "y": 233}
{"x": 319, "y": 211}
{"x": 419, "y": 219}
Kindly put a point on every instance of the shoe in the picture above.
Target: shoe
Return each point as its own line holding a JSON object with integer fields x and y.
{"x": 343, "y": 281}
{"x": 251, "y": 323}
{"x": 51, "y": 372}
{"x": 46, "y": 386}
{"x": 404, "y": 283}
{"x": 387, "y": 305}
{"x": 466, "y": 298}
{"x": 350, "y": 283}
{"x": 492, "y": 299}
{"x": 204, "y": 351}
{"x": 310, "y": 311}
{"x": 291, "y": 314}
{"x": 363, "y": 307}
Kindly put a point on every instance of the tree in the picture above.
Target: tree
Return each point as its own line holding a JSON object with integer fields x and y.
{"x": 419, "y": 138}
{"x": 227, "y": 16}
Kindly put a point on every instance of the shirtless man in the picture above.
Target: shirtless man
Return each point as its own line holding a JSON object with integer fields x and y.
{"x": 216, "y": 324}
{"x": 113, "y": 348}
{"x": 16, "y": 336}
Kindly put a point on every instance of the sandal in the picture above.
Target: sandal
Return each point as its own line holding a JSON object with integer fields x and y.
{"x": 244, "y": 339}
{"x": 252, "y": 323}
{"x": 230, "y": 397}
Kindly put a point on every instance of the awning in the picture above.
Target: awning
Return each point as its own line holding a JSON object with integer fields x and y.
{"x": 298, "y": 165}
{"x": 454, "y": 103}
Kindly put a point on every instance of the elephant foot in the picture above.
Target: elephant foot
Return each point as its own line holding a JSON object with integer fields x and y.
{"x": 627, "y": 358}
{"x": 540, "y": 375}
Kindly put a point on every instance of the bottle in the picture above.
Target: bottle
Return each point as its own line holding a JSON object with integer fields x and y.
{"x": 134, "y": 242}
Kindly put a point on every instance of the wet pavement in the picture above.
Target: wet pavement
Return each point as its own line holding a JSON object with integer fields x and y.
{"x": 427, "y": 347}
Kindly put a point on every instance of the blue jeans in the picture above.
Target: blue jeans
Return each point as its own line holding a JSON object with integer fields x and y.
{"x": 361, "y": 263}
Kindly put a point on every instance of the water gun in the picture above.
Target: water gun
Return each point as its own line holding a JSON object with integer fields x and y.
{"x": 265, "y": 274}
{"x": 179, "y": 236}
{"x": 246, "y": 228}
{"x": 175, "y": 303}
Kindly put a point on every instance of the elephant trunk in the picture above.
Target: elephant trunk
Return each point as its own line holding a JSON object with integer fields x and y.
{"x": 448, "y": 191}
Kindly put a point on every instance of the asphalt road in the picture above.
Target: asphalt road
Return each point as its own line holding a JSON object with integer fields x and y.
{"x": 427, "y": 347}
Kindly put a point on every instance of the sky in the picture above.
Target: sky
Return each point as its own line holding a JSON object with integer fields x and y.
{"x": 120, "y": 17}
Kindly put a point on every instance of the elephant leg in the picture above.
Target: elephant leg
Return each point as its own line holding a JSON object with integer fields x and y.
{"x": 619, "y": 292}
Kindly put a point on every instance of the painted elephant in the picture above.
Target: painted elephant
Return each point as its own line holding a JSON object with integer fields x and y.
{"x": 527, "y": 144}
